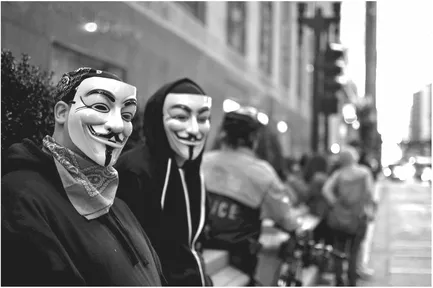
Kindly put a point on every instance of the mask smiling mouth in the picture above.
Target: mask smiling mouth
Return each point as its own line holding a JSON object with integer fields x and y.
{"x": 192, "y": 139}
{"x": 115, "y": 138}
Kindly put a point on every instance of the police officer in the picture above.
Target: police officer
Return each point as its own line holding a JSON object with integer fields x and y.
{"x": 243, "y": 190}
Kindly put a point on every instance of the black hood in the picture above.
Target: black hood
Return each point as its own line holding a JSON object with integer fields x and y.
{"x": 27, "y": 156}
{"x": 153, "y": 126}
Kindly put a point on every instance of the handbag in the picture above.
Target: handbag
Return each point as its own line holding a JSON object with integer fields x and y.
{"x": 348, "y": 212}
{"x": 342, "y": 219}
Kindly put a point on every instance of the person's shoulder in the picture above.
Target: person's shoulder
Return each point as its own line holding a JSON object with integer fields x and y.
{"x": 135, "y": 160}
{"x": 23, "y": 180}
{"x": 209, "y": 155}
{"x": 26, "y": 186}
{"x": 264, "y": 165}
{"x": 213, "y": 158}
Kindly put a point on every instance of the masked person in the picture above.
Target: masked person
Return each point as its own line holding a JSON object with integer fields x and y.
{"x": 61, "y": 222}
{"x": 161, "y": 181}
{"x": 243, "y": 190}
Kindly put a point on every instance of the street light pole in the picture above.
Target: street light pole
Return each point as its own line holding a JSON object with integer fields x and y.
{"x": 320, "y": 26}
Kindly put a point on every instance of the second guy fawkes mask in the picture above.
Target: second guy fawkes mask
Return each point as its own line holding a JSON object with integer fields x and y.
{"x": 186, "y": 117}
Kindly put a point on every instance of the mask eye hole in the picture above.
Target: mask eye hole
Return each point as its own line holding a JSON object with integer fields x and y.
{"x": 101, "y": 108}
{"x": 202, "y": 119}
{"x": 127, "y": 117}
{"x": 182, "y": 118}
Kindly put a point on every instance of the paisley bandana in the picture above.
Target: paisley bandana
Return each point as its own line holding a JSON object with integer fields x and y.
{"x": 91, "y": 188}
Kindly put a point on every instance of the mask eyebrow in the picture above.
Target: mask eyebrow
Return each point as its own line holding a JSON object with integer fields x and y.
{"x": 180, "y": 106}
{"x": 204, "y": 109}
{"x": 103, "y": 92}
{"x": 130, "y": 102}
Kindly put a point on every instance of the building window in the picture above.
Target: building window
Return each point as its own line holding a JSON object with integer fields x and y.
{"x": 236, "y": 31}
{"x": 197, "y": 9}
{"x": 266, "y": 39}
{"x": 65, "y": 60}
{"x": 285, "y": 44}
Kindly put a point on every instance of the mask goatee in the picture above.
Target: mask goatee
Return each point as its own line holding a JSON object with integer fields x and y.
{"x": 108, "y": 155}
{"x": 191, "y": 152}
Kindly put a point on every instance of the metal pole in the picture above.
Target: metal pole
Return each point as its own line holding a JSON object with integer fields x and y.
{"x": 316, "y": 91}
{"x": 326, "y": 140}
{"x": 326, "y": 36}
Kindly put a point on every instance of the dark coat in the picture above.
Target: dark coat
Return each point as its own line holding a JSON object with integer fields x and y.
{"x": 174, "y": 229}
{"x": 45, "y": 241}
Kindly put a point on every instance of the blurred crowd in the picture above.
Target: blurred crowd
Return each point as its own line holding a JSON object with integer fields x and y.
{"x": 246, "y": 170}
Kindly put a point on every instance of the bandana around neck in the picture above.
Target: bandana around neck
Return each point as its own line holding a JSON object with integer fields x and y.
{"x": 91, "y": 188}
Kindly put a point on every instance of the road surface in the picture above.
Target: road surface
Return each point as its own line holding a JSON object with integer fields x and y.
{"x": 400, "y": 250}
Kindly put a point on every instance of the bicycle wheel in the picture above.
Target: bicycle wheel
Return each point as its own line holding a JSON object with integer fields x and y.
{"x": 282, "y": 275}
{"x": 287, "y": 273}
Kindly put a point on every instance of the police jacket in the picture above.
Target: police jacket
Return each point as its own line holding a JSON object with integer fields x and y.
{"x": 248, "y": 189}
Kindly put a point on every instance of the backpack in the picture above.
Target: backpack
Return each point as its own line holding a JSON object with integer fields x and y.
{"x": 348, "y": 213}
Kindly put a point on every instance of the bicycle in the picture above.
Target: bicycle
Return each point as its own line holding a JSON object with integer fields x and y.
{"x": 301, "y": 251}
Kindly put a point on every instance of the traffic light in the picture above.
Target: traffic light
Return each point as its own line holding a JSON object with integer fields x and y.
{"x": 332, "y": 69}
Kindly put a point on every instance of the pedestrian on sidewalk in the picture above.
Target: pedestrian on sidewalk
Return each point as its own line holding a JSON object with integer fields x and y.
{"x": 349, "y": 192}
{"x": 363, "y": 271}
{"x": 315, "y": 175}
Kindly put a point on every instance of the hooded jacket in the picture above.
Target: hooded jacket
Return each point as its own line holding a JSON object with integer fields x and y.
{"x": 45, "y": 241}
{"x": 168, "y": 201}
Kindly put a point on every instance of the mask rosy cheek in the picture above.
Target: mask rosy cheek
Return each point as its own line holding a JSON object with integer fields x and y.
{"x": 92, "y": 118}
{"x": 205, "y": 129}
{"x": 175, "y": 125}
{"x": 128, "y": 129}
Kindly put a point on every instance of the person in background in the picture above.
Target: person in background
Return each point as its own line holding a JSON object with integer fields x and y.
{"x": 349, "y": 192}
{"x": 62, "y": 224}
{"x": 292, "y": 177}
{"x": 316, "y": 175}
{"x": 363, "y": 271}
{"x": 303, "y": 161}
{"x": 244, "y": 189}
{"x": 161, "y": 180}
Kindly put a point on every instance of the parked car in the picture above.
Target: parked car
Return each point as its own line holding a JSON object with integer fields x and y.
{"x": 399, "y": 171}
{"x": 418, "y": 168}
{"x": 423, "y": 169}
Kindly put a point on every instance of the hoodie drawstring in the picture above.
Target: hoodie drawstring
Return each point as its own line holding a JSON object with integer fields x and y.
{"x": 164, "y": 190}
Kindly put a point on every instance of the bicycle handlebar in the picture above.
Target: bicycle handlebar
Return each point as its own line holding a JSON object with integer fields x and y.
{"x": 329, "y": 249}
{"x": 306, "y": 223}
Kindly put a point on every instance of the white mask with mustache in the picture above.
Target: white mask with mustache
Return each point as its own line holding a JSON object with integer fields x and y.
{"x": 186, "y": 120}
{"x": 99, "y": 120}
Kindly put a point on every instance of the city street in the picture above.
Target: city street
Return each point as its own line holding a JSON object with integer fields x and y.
{"x": 400, "y": 251}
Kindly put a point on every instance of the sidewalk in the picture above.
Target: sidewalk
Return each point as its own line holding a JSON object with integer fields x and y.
{"x": 368, "y": 242}
{"x": 395, "y": 248}
{"x": 375, "y": 234}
